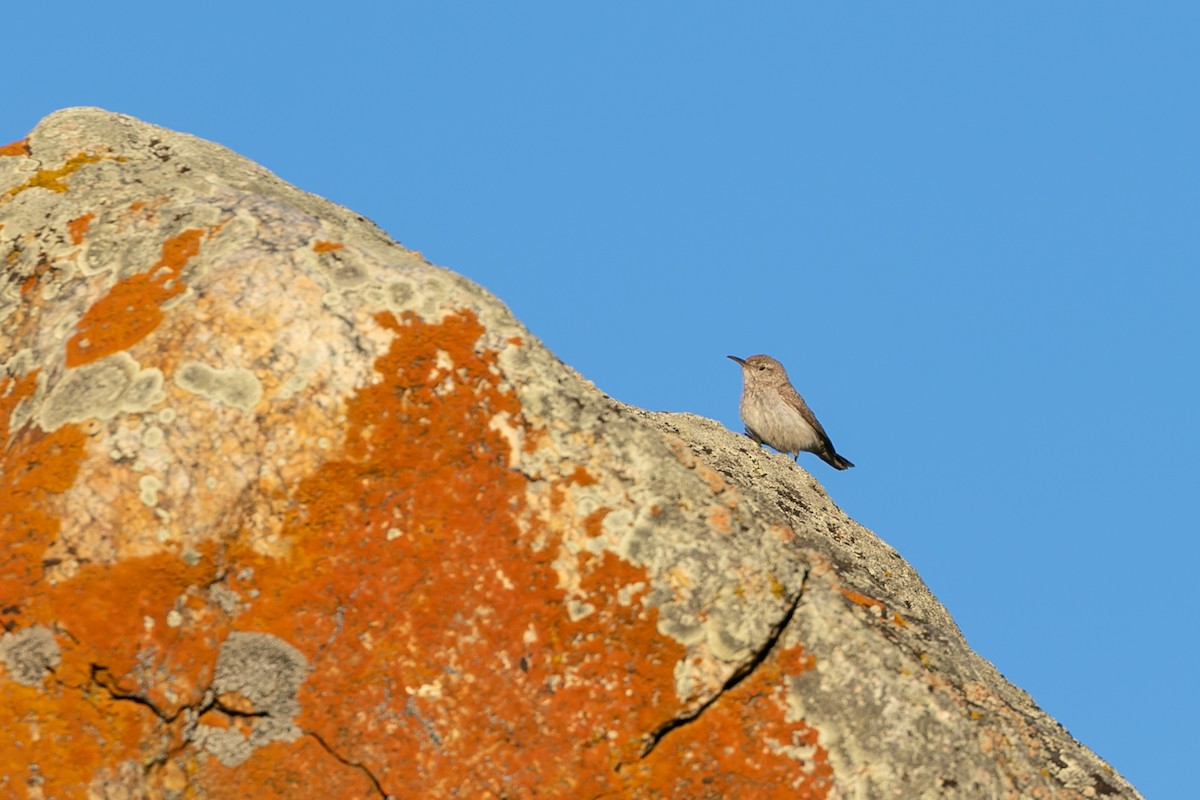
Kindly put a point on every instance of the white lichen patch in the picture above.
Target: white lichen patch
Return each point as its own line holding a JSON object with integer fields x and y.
{"x": 64, "y": 327}
{"x": 153, "y": 436}
{"x": 65, "y": 273}
{"x": 125, "y": 444}
{"x": 145, "y": 391}
{"x": 432, "y": 691}
{"x": 236, "y": 387}
{"x": 577, "y": 610}
{"x": 346, "y": 267}
{"x": 186, "y": 297}
{"x": 225, "y": 598}
{"x": 292, "y": 386}
{"x": 22, "y": 412}
{"x": 428, "y": 296}
{"x": 502, "y": 423}
{"x": 298, "y": 380}
{"x": 21, "y": 363}
{"x": 148, "y": 486}
{"x": 397, "y": 296}
{"x": 625, "y": 594}
{"x": 698, "y": 673}
{"x": 503, "y": 580}
{"x": 101, "y": 390}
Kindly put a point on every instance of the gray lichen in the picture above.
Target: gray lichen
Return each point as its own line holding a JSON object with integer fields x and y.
{"x": 234, "y": 387}
{"x": 101, "y": 390}
{"x": 28, "y": 654}
{"x": 267, "y": 672}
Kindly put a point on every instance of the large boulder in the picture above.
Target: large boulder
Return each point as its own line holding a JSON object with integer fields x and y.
{"x": 287, "y": 511}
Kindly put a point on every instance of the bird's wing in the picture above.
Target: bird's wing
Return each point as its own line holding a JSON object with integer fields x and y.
{"x": 797, "y": 402}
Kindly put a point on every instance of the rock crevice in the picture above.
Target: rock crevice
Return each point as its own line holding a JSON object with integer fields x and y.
{"x": 737, "y": 676}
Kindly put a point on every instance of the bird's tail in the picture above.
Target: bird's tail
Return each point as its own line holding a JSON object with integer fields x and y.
{"x": 836, "y": 461}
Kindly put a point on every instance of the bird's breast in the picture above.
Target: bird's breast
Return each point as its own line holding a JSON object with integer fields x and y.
{"x": 778, "y": 423}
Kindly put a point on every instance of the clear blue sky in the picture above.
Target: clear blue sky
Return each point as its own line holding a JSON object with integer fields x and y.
{"x": 969, "y": 230}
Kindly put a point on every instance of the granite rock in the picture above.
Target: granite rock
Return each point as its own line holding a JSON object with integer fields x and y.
{"x": 289, "y": 512}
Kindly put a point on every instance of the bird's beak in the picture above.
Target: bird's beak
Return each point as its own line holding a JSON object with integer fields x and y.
{"x": 738, "y": 360}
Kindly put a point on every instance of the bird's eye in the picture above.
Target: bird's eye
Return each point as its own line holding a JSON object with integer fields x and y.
{"x": 762, "y": 368}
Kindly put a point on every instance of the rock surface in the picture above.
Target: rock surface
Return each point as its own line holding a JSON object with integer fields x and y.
{"x": 289, "y": 512}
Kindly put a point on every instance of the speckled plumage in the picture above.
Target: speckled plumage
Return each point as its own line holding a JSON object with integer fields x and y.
{"x": 775, "y": 414}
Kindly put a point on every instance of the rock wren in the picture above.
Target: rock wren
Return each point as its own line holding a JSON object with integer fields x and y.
{"x": 777, "y": 415}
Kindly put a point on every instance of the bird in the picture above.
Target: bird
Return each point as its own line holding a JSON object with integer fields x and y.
{"x": 775, "y": 414}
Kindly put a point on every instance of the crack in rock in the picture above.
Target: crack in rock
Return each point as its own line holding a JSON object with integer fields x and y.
{"x": 103, "y": 677}
{"x": 740, "y": 674}
{"x": 257, "y": 678}
{"x": 266, "y": 672}
{"x": 355, "y": 764}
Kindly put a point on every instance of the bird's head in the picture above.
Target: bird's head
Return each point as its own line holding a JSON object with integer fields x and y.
{"x": 761, "y": 369}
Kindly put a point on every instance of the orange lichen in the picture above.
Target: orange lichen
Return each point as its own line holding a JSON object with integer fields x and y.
{"x": 131, "y": 309}
{"x": 321, "y": 246}
{"x": 17, "y": 148}
{"x": 712, "y": 479}
{"x": 741, "y": 746}
{"x": 581, "y": 477}
{"x": 236, "y": 701}
{"x": 99, "y": 618}
{"x": 719, "y": 519}
{"x": 442, "y": 657}
{"x": 783, "y": 532}
{"x": 78, "y": 227}
{"x": 116, "y": 615}
{"x": 862, "y": 599}
{"x": 870, "y": 602}
{"x": 419, "y": 516}
{"x": 54, "y": 180}
{"x": 59, "y": 736}
{"x": 72, "y": 738}
{"x": 30, "y": 283}
{"x": 593, "y": 523}
{"x": 287, "y": 770}
{"x": 34, "y": 466}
